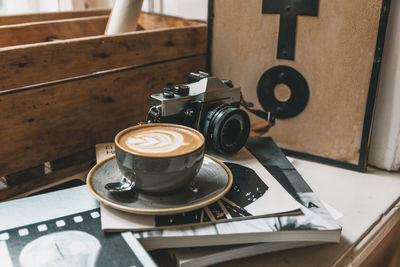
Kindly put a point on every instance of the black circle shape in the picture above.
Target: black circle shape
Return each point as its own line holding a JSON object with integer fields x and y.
{"x": 299, "y": 92}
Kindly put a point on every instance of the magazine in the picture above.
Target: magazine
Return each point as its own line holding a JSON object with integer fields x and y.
{"x": 266, "y": 151}
{"x": 254, "y": 194}
{"x": 63, "y": 228}
{"x": 314, "y": 225}
{"x": 204, "y": 256}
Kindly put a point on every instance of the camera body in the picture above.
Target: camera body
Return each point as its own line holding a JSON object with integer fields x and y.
{"x": 207, "y": 104}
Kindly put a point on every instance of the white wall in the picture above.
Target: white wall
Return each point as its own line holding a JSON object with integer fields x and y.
{"x": 385, "y": 142}
{"x": 8, "y": 7}
{"x": 190, "y": 9}
{"x": 27, "y": 6}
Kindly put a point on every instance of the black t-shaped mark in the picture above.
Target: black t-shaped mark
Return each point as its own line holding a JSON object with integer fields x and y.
{"x": 289, "y": 10}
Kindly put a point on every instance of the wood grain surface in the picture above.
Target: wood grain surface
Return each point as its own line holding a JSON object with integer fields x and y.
{"x": 154, "y": 21}
{"x": 24, "y": 175}
{"x": 52, "y": 121}
{"x": 54, "y": 165}
{"x": 37, "y": 32}
{"x": 43, "y": 182}
{"x": 45, "y": 31}
{"x": 39, "y": 63}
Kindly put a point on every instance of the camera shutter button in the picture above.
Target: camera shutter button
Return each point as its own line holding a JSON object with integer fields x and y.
{"x": 181, "y": 89}
{"x": 168, "y": 93}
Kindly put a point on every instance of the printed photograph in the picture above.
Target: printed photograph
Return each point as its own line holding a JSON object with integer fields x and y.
{"x": 247, "y": 188}
{"x": 75, "y": 240}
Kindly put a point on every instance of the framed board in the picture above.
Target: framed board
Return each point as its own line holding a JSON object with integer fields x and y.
{"x": 313, "y": 63}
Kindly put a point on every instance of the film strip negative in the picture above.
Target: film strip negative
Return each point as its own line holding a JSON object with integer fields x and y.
{"x": 74, "y": 240}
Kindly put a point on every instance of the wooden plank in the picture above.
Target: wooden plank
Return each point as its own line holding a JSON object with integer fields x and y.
{"x": 378, "y": 252}
{"x": 45, "y": 181}
{"x": 29, "y": 33}
{"x": 74, "y": 159}
{"x": 33, "y": 64}
{"x": 25, "y": 18}
{"x": 24, "y": 175}
{"x": 55, "y": 165}
{"x": 48, "y": 122}
{"x": 376, "y": 245}
{"x": 44, "y": 31}
{"x": 154, "y": 21}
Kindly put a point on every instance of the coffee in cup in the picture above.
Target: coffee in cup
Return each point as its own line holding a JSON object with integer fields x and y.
{"x": 160, "y": 140}
{"x": 159, "y": 157}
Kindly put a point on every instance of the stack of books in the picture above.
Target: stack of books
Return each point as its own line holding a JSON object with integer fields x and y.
{"x": 269, "y": 207}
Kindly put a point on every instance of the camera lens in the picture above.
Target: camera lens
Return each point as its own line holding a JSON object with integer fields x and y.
{"x": 230, "y": 133}
{"x": 227, "y": 128}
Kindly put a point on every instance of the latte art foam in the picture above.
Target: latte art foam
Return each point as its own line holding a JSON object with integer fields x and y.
{"x": 160, "y": 140}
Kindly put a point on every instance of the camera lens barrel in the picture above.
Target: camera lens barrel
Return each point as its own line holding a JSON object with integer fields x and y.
{"x": 226, "y": 128}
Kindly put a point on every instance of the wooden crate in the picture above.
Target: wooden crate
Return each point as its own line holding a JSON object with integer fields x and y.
{"x": 65, "y": 87}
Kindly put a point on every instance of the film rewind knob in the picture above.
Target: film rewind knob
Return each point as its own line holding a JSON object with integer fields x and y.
{"x": 181, "y": 90}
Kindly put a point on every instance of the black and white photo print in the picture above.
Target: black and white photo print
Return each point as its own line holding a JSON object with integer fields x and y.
{"x": 73, "y": 240}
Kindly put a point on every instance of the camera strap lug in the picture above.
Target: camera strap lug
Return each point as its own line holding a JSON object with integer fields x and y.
{"x": 261, "y": 128}
{"x": 154, "y": 114}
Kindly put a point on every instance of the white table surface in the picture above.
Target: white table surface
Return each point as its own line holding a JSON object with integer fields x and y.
{"x": 365, "y": 199}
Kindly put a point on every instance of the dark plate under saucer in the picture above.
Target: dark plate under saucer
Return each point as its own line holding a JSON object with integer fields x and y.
{"x": 211, "y": 183}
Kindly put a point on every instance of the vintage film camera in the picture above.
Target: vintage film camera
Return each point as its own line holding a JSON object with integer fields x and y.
{"x": 207, "y": 104}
